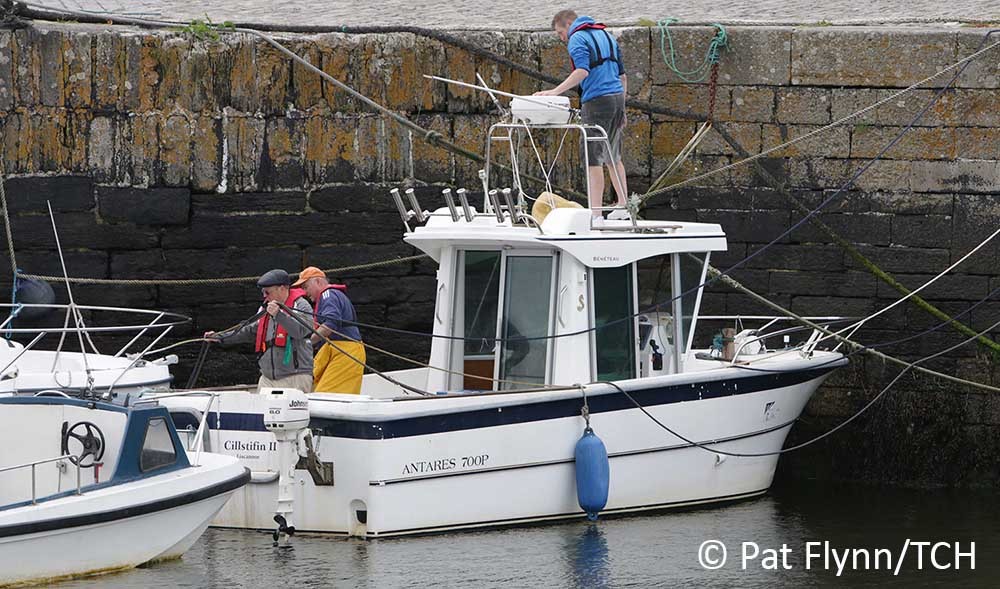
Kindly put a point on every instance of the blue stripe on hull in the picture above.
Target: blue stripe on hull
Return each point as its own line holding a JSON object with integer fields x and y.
{"x": 372, "y": 429}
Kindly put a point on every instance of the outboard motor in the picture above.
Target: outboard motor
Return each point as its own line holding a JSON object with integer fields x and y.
{"x": 287, "y": 417}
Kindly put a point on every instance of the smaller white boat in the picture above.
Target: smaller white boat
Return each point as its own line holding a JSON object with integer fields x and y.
{"x": 88, "y": 487}
{"x": 27, "y": 369}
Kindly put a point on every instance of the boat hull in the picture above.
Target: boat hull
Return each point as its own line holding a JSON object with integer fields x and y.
{"x": 430, "y": 465}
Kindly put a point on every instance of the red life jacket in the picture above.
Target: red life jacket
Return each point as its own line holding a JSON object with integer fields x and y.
{"x": 280, "y": 334}
{"x": 341, "y": 287}
{"x": 596, "y": 57}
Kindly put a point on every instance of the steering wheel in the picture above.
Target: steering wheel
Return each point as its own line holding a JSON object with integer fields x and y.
{"x": 91, "y": 438}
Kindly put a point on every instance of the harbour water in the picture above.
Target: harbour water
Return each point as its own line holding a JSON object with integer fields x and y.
{"x": 645, "y": 551}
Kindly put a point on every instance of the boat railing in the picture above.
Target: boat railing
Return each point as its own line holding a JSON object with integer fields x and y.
{"x": 32, "y": 465}
{"x": 160, "y": 323}
{"x": 761, "y": 334}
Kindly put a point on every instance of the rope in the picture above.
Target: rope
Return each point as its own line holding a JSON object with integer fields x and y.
{"x": 719, "y": 41}
{"x": 237, "y": 279}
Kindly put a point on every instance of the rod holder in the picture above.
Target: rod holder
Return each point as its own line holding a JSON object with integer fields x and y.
{"x": 403, "y": 214}
{"x": 510, "y": 205}
{"x": 451, "y": 204}
{"x": 466, "y": 209}
{"x": 417, "y": 211}
{"x": 495, "y": 201}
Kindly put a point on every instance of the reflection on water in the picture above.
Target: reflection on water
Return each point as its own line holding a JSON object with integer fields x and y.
{"x": 642, "y": 551}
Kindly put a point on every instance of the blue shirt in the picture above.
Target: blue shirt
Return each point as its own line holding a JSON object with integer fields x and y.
{"x": 334, "y": 308}
{"x": 589, "y": 43}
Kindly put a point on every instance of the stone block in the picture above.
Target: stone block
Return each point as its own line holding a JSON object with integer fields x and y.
{"x": 903, "y": 259}
{"x": 921, "y": 230}
{"x": 206, "y": 153}
{"x": 752, "y": 104}
{"x": 249, "y": 202}
{"x": 145, "y": 149}
{"x": 175, "y": 150}
{"x": 862, "y": 56}
{"x": 50, "y": 80}
{"x": 832, "y": 143}
{"x": 809, "y": 106}
{"x": 79, "y": 263}
{"x": 635, "y": 46}
{"x": 352, "y": 197}
{"x": 636, "y": 144}
{"x": 847, "y": 101}
{"x": 748, "y": 135}
{"x": 468, "y": 132}
{"x": 340, "y": 260}
{"x": 77, "y": 48}
{"x": 207, "y": 232}
{"x": 231, "y": 262}
{"x": 918, "y": 319}
{"x": 432, "y": 163}
{"x": 912, "y": 204}
{"x": 885, "y": 175}
{"x": 827, "y": 305}
{"x": 243, "y": 149}
{"x": 856, "y": 228}
{"x": 840, "y": 284}
{"x": 690, "y": 101}
{"x": 977, "y": 143}
{"x": 983, "y": 71}
{"x": 337, "y": 54}
{"x": 402, "y": 290}
{"x": 797, "y": 257}
{"x": 742, "y": 304}
{"x": 197, "y": 93}
{"x": 917, "y": 143}
{"x": 701, "y": 170}
{"x": 951, "y": 287}
{"x": 65, "y": 193}
{"x": 306, "y": 90}
{"x": 833, "y": 201}
{"x": 975, "y": 220}
{"x": 6, "y": 70}
{"x": 330, "y": 149}
{"x": 749, "y": 199}
{"x": 80, "y": 230}
{"x": 747, "y": 226}
{"x": 153, "y": 206}
{"x": 975, "y": 176}
{"x": 272, "y": 76}
{"x": 972, "y": 108}
{"x": 112, "y": 76}
{"x": 756, "y": 56}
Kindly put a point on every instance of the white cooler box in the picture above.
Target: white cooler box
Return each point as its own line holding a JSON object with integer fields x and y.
{"x": 541, "y": 110}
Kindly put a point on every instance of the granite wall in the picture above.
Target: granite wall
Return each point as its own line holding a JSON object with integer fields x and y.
{"x": 166, "y": 156}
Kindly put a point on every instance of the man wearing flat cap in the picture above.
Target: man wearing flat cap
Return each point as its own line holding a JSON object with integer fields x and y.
{"x": 282, "y": 342}
{"x": 340, "y": 361}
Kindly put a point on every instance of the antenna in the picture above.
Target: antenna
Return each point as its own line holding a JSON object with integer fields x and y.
{"x": 466, "y": 209}
{"x": 507, "y": 94}
{"x": 451, "y": 204}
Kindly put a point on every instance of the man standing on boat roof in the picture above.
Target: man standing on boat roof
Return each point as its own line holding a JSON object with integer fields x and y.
{"x": 286, "y": 354}
{"x": 339, "y": 365}
{"x": 600, "y": 72}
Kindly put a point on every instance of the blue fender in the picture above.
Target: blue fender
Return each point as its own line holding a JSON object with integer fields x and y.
{"x": 593, "y": 475}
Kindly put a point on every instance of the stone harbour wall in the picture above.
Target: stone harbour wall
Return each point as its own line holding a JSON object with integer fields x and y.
{"x": 165, "y": 156}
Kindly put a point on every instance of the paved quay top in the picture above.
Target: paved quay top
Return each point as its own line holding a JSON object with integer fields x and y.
{"x": 537, "y": 14}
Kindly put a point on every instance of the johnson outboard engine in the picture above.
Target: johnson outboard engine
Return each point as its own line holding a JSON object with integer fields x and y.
{"x": 287, "y": 417}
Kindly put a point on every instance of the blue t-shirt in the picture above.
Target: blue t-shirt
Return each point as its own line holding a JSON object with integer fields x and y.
{"x": 591, "y": 43}
{"x": 334, "y": 308}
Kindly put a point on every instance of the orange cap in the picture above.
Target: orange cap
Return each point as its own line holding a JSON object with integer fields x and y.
{"x": 307, "y": 273}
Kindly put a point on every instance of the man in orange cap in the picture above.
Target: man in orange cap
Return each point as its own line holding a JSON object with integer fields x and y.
{"x": 338, "y": 366}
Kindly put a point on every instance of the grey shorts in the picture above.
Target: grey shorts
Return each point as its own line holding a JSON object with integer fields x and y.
{"x": 608, "y": 112}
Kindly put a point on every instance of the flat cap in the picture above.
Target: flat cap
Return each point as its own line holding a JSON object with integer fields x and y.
{"x": 276, "y": 277}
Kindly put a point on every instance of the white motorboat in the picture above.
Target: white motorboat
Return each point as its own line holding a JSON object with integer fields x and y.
{"x": 27, "y": 369}
{"x": 89, "y": 487}
{"x": 485, "y": 434}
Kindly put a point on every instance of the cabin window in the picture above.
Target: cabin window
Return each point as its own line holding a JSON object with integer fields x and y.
{"x": 526, "y": 314}
{"x": 614, "y": 323}
{"x": 157, "y": 446}
{"x": 479, "y": 301}
{"x": 692, "y": 273}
